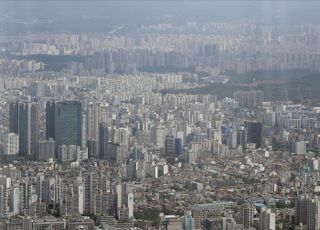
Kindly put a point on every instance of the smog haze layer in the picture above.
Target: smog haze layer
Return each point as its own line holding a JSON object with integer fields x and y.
{"x": 102, "y": 16}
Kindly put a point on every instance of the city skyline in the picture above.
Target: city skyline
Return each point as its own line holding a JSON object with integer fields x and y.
{"x": 159, "y": 115}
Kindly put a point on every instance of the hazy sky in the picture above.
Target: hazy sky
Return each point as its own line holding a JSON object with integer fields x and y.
{"x": 101, "y": 16}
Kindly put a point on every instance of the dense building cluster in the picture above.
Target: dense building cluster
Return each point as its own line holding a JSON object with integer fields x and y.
{"x": 239, "y": 47}
{"x": 102, "y": 144}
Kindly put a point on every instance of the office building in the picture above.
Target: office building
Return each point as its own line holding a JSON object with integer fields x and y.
{"x": 169, "y": 146}
{"x": 50, "y": 120}
{"x": 307, "y": 211}
{"x": 13, "y": 117}
{"x": 254, "y": 133}
{"x": 178, "y": 146}
{"x": 63, "y": 122}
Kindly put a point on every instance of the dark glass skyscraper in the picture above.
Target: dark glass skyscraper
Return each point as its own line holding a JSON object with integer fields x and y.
{"x": 63, "y": 122}
{"x": 50, "y": 119}
{"x": 13, "y": 116}
{"x": 103, "y": 140}
{"x": 169, "y": 145}
{"x": 178, "y": 146}
{"x": 254, "y": 133}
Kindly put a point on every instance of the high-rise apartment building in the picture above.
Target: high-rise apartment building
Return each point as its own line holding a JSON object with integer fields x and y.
{"x": 242, "y": 137}
{"x": 93, "y": 127}
{"x": 11, "y": 144}
{"x": 90, "y": 180}
{"x": 103, "y": 140}
{"x": 158, "y": 136}
{"x": 250, "y": 99}
{"x": 46, "y": 150}
{"x": 24, "y": 122}
{"x": 267, "y": 220}
{"x": 246, "y": 214}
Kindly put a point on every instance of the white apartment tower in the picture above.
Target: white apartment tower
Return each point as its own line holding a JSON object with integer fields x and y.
{"x": 11, "y": 144}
